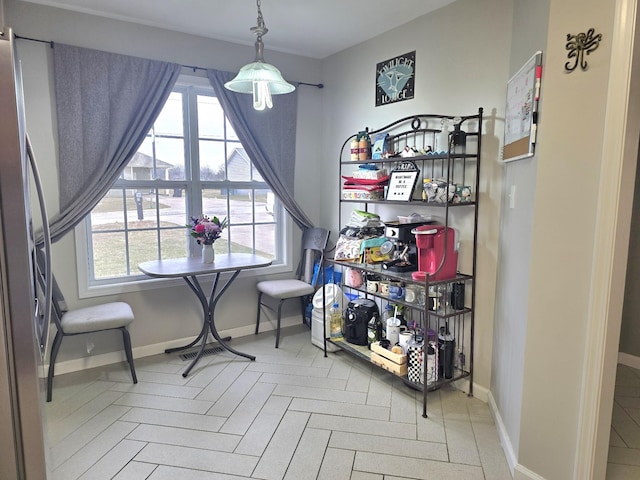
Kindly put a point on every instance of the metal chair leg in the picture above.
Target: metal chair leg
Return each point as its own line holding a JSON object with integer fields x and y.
{"x": 258, "y": 315}
{"x": 52, "y": 361}
{"x": 126, "y": 338}
{"x": 303, "y": 303}
{"x": 278, "y": 324}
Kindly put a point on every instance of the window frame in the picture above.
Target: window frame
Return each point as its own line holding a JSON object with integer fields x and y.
{"x": 190, "y": 87}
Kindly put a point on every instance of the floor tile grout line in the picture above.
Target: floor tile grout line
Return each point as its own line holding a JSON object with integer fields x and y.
{"x": 92, "y": 417}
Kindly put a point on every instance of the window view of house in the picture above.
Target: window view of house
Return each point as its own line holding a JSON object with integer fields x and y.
{"x": 190, "y": 163}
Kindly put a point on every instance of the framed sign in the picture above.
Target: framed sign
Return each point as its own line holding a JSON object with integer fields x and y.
{"x": 395, "y": 79}
{"x": 402, "y": 181}
{"x": 521, "y": 113}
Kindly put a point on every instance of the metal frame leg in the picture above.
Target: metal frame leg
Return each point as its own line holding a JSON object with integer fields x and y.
{"x": 57, "y": 341}
{"x": 258, "y": 315}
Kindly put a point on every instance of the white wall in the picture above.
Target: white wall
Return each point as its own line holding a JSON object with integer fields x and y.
{"x": 461, "y": 64}
{"x": 164, "y": 314}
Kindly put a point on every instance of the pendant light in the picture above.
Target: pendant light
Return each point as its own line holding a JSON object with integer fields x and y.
{"x": 259, "y": 78}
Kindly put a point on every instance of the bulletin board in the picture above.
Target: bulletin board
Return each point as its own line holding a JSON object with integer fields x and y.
{"x": 521, "y": 113}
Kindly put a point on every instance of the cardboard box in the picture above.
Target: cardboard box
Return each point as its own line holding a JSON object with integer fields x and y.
{"x": 388, "y": 365}
{"x": 399, "y": 358}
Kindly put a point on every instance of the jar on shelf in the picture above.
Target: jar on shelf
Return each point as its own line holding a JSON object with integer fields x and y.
{"x": 355, "y": 150}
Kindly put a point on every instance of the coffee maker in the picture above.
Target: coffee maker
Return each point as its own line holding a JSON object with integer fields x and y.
{"x": 433, "y": 243}
{"x": 402, "y": 243}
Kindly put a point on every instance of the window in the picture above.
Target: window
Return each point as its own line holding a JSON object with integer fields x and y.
{"x": 190, "y": 163}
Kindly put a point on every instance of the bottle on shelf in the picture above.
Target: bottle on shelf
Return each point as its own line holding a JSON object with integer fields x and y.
{"x": 364, "y": 145}
{"x": 374, "y": 330}
{"x": 335, "y": 321}
{"x": 355, "y": 150}
{"x": 387, "y": 313}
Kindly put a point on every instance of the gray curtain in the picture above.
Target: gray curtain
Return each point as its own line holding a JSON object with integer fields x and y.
{"x": 106, "y": 103}
{"x": 269, "y": 137}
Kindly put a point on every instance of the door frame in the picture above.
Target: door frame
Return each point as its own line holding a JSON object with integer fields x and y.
{"x": 613, "y": 218}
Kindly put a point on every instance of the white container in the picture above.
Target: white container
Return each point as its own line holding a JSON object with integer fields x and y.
{"x": 316, "y": 330}
{"x": 332, "y": 294}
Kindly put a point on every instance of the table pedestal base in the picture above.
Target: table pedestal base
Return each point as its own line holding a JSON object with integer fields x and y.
{"x": 208, "y": 324}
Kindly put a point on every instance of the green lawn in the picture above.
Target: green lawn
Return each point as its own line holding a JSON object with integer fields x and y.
{"x": 143, "y": 247}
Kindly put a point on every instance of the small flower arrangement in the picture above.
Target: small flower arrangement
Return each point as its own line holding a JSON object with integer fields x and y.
{"x": 206, "y": 230}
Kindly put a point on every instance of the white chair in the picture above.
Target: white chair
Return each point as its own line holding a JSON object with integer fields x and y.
{"x": 314, "y": 243}
{"x": 97, "y": 318}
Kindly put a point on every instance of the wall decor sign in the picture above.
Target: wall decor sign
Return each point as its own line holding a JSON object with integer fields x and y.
{"x": 395, "y": 79}
{"x": 579, "y": 45}
{"x": 521, "y": 113}
{"x": 402, "y": 181}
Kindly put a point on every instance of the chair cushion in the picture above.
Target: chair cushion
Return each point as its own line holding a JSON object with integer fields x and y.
{"x": 99, "y": 317}
{"x": 285, "y": 288}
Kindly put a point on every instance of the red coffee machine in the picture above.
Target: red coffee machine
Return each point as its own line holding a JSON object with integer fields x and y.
{"x": 435, "y": 242}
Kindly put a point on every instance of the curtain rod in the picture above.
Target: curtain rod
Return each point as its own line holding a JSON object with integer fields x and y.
{"x": 192, "y": 67}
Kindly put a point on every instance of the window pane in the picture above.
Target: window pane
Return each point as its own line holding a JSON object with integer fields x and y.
{"x": 143, "y": 246}
{"x": 105, "y": 263}
{"x": 170, "y": 120}
{"x": 231, "y": 133}
{"x": 264, "y": 202}
{"x": 141, "y": 208}
{"x": 266, "y": 240}
{"x": 109, "y": 213}
{"x": 239, "y": 167}
{"x": 241, "y": 205}
{"x": 211, "y": 160}
{"x": 172, "y": 208}
{"x": 214, "y": 203}
{"x": 162, "y": 159}
{"x": 211, "y": 118}
{"x": 174, "y": 243}
{"x": 242, "y": 240}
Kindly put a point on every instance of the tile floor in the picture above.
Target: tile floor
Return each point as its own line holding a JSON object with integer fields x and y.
{"x": 624, "y": 443}
{"x": 291, "y": 414}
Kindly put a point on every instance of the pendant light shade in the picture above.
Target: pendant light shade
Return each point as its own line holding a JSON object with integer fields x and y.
{"x": 259, "y": 78}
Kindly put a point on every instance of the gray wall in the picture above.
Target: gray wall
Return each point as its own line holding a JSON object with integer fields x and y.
{"x": 630, "y": 330}
{"x": 461, "y": 64}
{"x": 529, "y": 34}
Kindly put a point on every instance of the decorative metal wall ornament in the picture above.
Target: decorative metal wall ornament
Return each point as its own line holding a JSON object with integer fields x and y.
{"x": 579, "y": 45}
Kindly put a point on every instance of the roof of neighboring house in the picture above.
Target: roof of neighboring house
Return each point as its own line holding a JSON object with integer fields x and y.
{"x": 142, "y": 160}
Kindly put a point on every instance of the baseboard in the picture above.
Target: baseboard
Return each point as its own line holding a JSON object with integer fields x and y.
{"x": 479, "y": 392}
{"x": 505, "y": 441}
{"x": 94, "y": 361}
{"x": 629, "y": 360}
{"x": 518, "y": 472}
{"x": 523, "y": 473}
